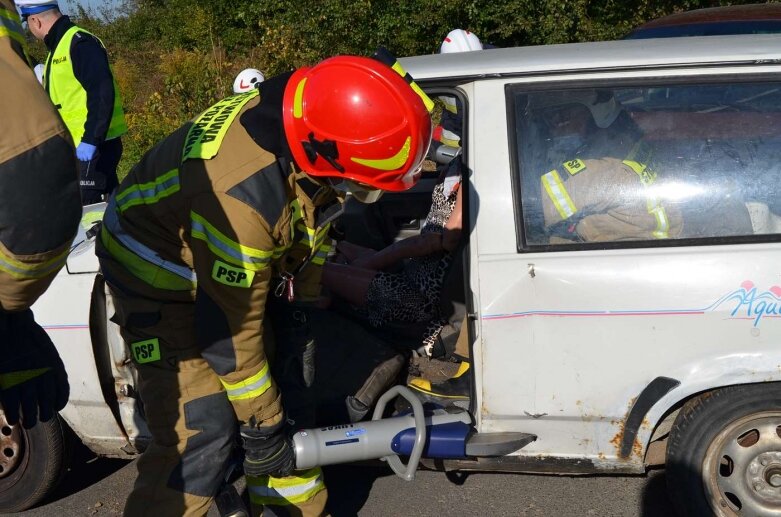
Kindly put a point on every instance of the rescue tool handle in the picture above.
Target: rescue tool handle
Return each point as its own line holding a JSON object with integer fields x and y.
{"x": 406, "y": 473}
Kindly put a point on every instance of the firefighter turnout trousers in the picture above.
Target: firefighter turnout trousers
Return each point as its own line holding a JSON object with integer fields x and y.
{"x": 202, "y": 230}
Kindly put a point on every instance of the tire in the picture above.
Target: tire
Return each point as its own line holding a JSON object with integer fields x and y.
{"x": 724, "y": 453}
{"x": 32, "y": 462}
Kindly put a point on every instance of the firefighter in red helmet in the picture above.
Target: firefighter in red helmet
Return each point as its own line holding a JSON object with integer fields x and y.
{"x": 233, "y": 206}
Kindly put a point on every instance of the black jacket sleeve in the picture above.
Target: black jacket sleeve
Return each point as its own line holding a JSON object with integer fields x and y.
{"x": 91, "y": 68}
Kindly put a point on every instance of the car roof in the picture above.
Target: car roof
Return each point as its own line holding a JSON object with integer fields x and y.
{"x": 732, "y": 13}
{"x": 604, "y": 55}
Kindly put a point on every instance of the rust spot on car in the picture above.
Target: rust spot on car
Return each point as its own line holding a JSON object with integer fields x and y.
{"x": 637, "y": 447}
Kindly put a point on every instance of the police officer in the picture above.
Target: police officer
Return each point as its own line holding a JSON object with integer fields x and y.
{"x": 231, "y": 207}
{"x": 80, "y": 83}
{"x": 39, "y": 211}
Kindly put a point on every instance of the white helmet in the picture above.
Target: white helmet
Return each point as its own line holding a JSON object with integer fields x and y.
{"x": 459, "y": 40}
{"x": 38, "y": 69}
{"x": 247, "y": 80}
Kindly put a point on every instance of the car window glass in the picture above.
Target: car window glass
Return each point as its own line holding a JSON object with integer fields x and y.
{"x": 649, "y": 164}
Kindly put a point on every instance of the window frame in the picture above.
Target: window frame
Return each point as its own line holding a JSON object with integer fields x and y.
{"x": 514, "y": 89}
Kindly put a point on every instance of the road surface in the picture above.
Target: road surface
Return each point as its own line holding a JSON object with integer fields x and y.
{"x": 98, "y": 487}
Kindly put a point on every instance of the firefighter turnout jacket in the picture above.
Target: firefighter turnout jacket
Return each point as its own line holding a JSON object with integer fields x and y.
{"x": 217, "y": 215}
{"x": 607, "y": 199}
{"x": 39, "y": 190}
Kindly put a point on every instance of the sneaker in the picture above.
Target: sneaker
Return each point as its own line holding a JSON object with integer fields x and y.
{"x": 454, "y": 390}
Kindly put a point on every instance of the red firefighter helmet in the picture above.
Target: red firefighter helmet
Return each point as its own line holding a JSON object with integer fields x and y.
{"x": 356, "y": 120}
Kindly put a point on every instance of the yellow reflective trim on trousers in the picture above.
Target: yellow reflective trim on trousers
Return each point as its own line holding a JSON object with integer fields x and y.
{"x": 227, "y": 249}
{"x": 20, "y": 270}
{"x": 559, "y": 195}
{"x": 145, "y": 271}
{"x": 250, "y": 387}
{"x": 390, "y": 163}
{"x": 149, "y": 193}
{"x": 285, "y": 491}
{"x": 298, "y": 99}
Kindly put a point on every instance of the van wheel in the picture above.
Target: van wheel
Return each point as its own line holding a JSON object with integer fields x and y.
{"x": 32, "y": 462}
{"x": 724, "y": 453}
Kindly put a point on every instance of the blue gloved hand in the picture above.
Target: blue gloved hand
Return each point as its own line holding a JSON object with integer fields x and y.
{"x": 85, "y": 152}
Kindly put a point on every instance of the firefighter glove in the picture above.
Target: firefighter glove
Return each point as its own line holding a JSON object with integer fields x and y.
{"x": 32, "y": 376}
{"x": 267, "y": 451}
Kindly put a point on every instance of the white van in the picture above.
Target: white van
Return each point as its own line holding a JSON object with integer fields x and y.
{"x": 616, "y": 350}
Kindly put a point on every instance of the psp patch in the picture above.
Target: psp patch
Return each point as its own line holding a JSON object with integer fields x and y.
{"x": 574, "y": 166}
{"x": 146, "y": 351}
{"x": 232, "y": 276}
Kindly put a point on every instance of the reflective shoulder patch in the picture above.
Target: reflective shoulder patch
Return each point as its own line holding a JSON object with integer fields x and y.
{"x": 209, "y": 128}
{"x": 574, "y": 166}
{"x": 232, "y": 276}
{"x": 146, "y": 351}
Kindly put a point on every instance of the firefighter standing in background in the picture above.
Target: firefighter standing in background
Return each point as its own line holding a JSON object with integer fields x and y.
{"x": 229, "y": 208}
{"x": 39, "y": 212}
{"x": 79, "y": 81}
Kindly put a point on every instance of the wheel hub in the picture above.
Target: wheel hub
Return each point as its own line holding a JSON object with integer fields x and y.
{"x": 742, "y": 467}
{"x": 10, "y": 446}
{"x": 764, "y": 476}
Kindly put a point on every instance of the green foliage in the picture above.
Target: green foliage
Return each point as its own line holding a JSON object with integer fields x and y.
{"x": 173, "y": 58}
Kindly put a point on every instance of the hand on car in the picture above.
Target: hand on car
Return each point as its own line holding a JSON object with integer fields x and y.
{"x": 32, "y": 376}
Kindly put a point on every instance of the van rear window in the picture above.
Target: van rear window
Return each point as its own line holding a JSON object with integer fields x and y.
{"x": 653, "y": 164}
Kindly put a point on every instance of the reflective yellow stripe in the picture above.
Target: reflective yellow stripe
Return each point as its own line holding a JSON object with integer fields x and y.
{"x": 662, "y": 223}
{"x": 285, "y": 491}
{"x": 20, "y": 270}
{"x": 298, "y": 99}
{"x": 450, "y": 104}
{"x": 150, "y": 273}
{"x": 390, "y": 163}
{"x": 208, "y": 130}
{"x": 249, "y": 388}
{"x": 425, "y": 98}
{"x": 558, "y": 194}
{"x": 646, "y": 175}
{"x": 450, "y": 138}
{"x": 655, "y": 208}
{"x": 229, "y": 250}
{"x": 149, "y": 193}
{"x": 11, "y": 25}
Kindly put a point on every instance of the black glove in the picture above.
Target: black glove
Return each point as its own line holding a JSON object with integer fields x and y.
{"x": 267, "y": 451}
{"x": 32, "y": 376}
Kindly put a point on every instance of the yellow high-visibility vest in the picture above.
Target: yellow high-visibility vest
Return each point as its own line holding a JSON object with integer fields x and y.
{"x": 70, "y": 97}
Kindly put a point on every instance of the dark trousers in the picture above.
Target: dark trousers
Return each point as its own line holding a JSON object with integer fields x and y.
{"x": 99, "y": 175}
